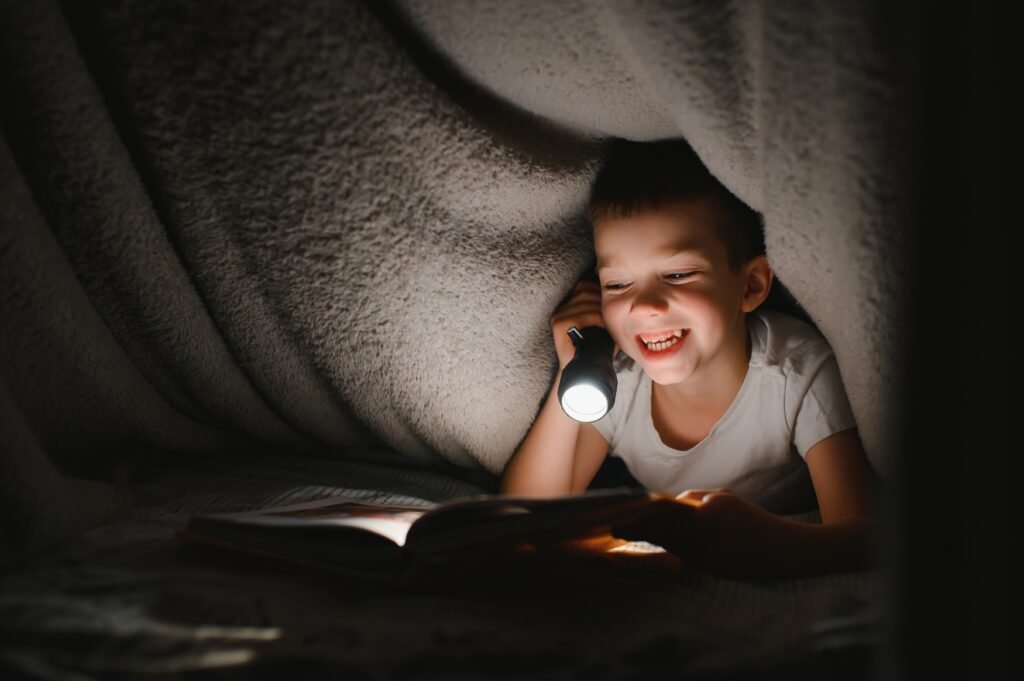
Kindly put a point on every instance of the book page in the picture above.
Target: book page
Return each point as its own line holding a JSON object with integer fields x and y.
{"x": 393, "y": 523}
{"x": 389, "y": 522}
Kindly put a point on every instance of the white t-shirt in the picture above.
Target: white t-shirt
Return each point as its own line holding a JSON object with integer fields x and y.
{"x": 791, "y": 398}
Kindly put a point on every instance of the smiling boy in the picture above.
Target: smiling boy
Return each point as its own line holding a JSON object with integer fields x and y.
{"x": 739, "y": 411}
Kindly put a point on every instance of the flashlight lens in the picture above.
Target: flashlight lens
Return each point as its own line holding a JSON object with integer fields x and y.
{"x": 584, "y": 402}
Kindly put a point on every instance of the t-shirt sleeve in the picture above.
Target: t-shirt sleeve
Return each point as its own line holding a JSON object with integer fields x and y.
{"x": 816, "y": 398}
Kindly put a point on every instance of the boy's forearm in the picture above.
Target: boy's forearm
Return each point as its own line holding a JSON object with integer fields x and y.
{"x": 789, "y": 549}
{"x": 544, "y": 462}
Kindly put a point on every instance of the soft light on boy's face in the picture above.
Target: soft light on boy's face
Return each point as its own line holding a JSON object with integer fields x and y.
{"x": 663, "y": 272}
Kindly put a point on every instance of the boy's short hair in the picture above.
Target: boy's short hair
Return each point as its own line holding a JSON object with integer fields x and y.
{"x": 639, "y": 176}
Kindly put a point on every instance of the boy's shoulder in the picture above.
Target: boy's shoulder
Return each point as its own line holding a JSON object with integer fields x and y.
{"x": 784, "y": 341}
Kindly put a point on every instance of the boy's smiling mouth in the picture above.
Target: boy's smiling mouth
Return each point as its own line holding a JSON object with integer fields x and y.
{"x": 660, "y": 343}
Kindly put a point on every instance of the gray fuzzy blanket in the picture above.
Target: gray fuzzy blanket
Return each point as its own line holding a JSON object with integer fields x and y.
{"x": 340, "y": 228}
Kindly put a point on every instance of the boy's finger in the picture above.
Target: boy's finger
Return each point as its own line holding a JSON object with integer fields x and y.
{"x": 578, "y": 314}
{"x": 583, "y": 318}
{"x": 593, "y": 301}
{"x": 594, "y": 296}
{"x": 586, "y": 291}
{"x": 695, "y": 496}
{"x": 585, "y": 305}
{"x": 586, "y": 310}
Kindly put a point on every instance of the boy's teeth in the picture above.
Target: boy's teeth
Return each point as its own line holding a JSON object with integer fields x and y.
{"x": 663, "y": 345}
{"x": 654, "y": 339}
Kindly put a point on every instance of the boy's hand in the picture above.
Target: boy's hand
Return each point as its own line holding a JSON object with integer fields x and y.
{"x": 716, "y": 529}
{"x": 581, "y": 309}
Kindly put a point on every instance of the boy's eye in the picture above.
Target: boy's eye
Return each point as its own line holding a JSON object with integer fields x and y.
{"x": 674, "y": 276}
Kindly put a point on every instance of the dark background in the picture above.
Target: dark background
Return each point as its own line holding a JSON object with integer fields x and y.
{"x": 948, "y": 522}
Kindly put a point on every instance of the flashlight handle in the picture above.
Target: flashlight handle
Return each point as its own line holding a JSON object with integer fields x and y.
{"x": 591, "y": 365}
{"x": 593, "y": 340}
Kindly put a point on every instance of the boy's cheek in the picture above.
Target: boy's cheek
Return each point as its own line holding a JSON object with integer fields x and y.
{"x": 613, "y": 322}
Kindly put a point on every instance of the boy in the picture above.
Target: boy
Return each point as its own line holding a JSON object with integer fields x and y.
{"x": 740, "y": 412}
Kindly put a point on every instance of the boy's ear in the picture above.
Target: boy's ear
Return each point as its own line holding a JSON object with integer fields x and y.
{"x": 757, "y": 282}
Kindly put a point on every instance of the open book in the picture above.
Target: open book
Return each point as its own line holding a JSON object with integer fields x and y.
{"x": 392, "y": 542}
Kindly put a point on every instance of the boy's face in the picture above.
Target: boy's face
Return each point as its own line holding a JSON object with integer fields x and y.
{"x": 663, "y": 272}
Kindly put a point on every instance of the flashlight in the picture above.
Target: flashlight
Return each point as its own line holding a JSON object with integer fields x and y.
{"x": 587, "y": 388}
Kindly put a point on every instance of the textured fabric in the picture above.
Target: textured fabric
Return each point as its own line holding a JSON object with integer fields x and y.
{"x": 326, "y": 227}
{"x": 791, "y": 398}
{"x": 123, "y": 601}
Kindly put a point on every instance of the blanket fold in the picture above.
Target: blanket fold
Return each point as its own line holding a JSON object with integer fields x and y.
{"x": 326, "y": 227}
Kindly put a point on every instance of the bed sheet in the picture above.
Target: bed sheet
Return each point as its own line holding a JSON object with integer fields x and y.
{"x": 125, "y": 601}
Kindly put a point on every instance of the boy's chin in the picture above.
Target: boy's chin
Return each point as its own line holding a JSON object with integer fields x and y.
{"x": 662, "y": 375}
{"x": 665, "y": 376}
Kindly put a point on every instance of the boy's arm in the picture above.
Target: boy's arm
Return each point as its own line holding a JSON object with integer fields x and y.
{"x": 841, "y": 477}
{"x": 847, "y": 538}
{"x": 733, "y": 537}
{"x": 555, "y": 457}
{"x": 591, "y": 451}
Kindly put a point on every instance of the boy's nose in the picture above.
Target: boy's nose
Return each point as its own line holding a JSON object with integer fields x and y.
{"x": 648, "y": 302}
